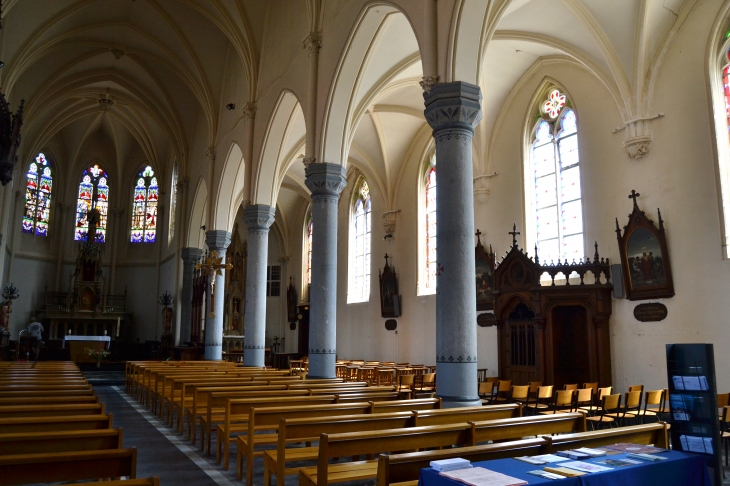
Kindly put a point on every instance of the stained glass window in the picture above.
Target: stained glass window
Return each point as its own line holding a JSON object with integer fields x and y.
{"x": 724, "y": 148}
{"x": 173, "y": 206}
{"x": 430, "y": 209}
{"x": 309, "y": 252}
{"x": 93, "y": 193}
{"x": 144, "y": 207}
{"x": 558, "y": 211}
{"x": 360, "y": 246}
{"x": 39, "y": 184}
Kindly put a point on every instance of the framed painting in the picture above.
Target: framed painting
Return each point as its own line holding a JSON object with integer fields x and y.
{"x": 291, "y": 302}
{"x": 484, "y": 278}
{"x": 389, "y": 297}
{"x": 646, "y": 269}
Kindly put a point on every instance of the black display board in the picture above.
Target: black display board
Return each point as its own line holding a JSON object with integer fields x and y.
{"x": 693, "y": 403}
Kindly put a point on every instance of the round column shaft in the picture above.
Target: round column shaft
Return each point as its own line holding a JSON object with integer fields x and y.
{"x": 453, "y": 110}
{"x": 326, "y": 182}
{"x": 190, "y": 257}
{"x": 217, "y": 240}
{"x": 258, "y": 218}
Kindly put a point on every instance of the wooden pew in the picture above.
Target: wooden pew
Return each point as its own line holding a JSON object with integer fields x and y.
{"x": 649, "y": 434}
{"x": 74, "y": 440}
{"x": 50, "y": 424}
{"x": 405, "y": 469}
{"x": 153, "y": 481}
{"x": 302, "y": 430}
{"x": 53, "y": 410}
{"x": 517, "y": 428}
{"x": 67, "y": 466}
{"x": 48, "y": 389}
{"x": 377, "y": 442}
{"x": 43, "y": 393}
{"x": 48, "y": 400}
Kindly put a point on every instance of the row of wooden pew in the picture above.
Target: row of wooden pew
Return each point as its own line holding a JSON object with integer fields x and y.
{"x": 321, "y": 420}
{"x": 53, "y": 428}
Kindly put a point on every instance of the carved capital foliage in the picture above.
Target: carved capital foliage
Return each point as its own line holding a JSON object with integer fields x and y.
{"x": 453, "y": 105}
{"x": 249, "y": 111}
{"x": 325, "y": 179}
{"x": 637, "y": 147}
{"x": 258, "y": 217}
{"x": 182, "y": 184}
{"x": 210, "y": 153}
{"x": 191, "y": 255}
{"x": 313, "y": 42}
{"x": 218, "y": 240}
{"x": 428, "y": 82}
{"x": 307, "y": 161}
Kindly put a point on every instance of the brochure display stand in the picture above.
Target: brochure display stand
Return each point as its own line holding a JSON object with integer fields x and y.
{"x": 693, "y": 403}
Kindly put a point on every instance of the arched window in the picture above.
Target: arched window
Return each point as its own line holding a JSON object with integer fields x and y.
{"x": 309, "y": 251}
{"x": 38, "y": 197}
{"x": 427, "y": 231}
{"x": 173, "y": 206}
{"x": 93, "y": 193}
{"x": 360, "y": 237}
{"x": 144, "y": 207}
{"x": 554, "y": 175}
{"x": 720, "y": 75}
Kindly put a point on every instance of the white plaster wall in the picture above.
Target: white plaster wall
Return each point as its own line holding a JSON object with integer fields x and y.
{"x": 139, "y": 282}
{"x": 30, "y": 277}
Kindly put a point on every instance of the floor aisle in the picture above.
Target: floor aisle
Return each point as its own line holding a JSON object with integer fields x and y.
{"x": 159, "y": 451}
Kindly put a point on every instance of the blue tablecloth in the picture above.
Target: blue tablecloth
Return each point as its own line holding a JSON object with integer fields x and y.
{"x": 681, "y": 469}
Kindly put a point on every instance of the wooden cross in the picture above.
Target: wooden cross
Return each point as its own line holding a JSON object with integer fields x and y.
{"x": 213, "y": 266}
{"x": 386, "y": 259}
{"x": 633, "y": 196}
{"x": 514, "y": 234}
{"x": 478, "y": 234}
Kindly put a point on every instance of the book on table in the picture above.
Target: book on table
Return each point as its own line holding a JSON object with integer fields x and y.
{"x": 478, "y": 476}
{"x": 564, "y": 471}
{"x": 588, "y": 467}
{"x": 450, "y": 464}
{"x": 635, "y": 448}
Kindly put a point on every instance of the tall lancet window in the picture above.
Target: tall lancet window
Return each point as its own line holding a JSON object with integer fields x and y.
{"x": 360, "y": 237}
{"x": 720, "y": 75}
{"x": 554, "y": 175}
{"x": 39, "y": 184}
{"x": 93, "y": 193}
{"x": 173, "y": 206}
{"x": 427, "y": 236}
{"x": 144, "y": 207}
{"x": 308, "y": 237}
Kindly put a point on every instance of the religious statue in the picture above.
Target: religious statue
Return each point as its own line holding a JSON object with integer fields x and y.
{"x": 165, "y": 301}
{"x": 213, "y": 266}
{"x": 4, "y": 317}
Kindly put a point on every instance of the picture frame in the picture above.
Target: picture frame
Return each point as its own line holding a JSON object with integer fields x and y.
{"x": 291, "y": 302}
{"x": 389, "y": 296}
{"x": 645, "y": 263}
{"x": 484, "y": 263}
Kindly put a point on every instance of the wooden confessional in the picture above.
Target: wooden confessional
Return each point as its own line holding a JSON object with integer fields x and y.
{"x": 556, "y": 332}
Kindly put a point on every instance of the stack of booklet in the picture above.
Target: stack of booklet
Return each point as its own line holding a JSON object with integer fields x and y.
{"x": 450, "y": 464}
{"x": 478, "y": 476}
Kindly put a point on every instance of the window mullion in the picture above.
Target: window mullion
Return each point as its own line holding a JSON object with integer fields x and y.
{"x": 558, "y": 196}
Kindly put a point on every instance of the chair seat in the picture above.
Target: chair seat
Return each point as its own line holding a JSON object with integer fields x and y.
{"x": 622, "y": 415}
{"x": 606, "y": 419}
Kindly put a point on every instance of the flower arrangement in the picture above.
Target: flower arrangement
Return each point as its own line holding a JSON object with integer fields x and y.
{"x": 97, "y": 354}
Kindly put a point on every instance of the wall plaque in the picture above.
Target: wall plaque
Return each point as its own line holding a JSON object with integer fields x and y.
{"x": 486, "y": 319}
{"x": 391, "y": 324}
{"x": 650, "y": 312}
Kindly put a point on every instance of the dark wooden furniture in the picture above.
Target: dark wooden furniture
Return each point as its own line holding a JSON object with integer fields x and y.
{"x": 554, "y": 333}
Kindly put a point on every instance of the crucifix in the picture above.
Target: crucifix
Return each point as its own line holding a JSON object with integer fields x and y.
{"x": 514, "y": 234}
{"x": 478, "y": 234}
{"x": 213, "y": 266}
{"x": 633, "y": 196}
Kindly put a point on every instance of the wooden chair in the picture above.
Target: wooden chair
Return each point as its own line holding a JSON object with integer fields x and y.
{"x": 583, "y": 398}
{"x": 632, "y": 407}
{"x": 519, "y": 394}
{"x": 591, "y": 385}
{"x": 562, "y": 402}
{"x": 500, "y": 393}
{"x": 485, "y": 389}
{"x": 638, "y": 388}
{"x": 482, "y": 374}
{"x": 572, "y": 386}
{"x": 534, "y": 385}
{"x": 406, "y": 384}
{"x": 597, "y": 397}
{"x": 723, "y": 400}
{"x": 725, "y": 429}
{"x": 426, "y": 383}
{"x": 542, "y": 399}
{"x": 386, "y": 376}
{"x": 653, "y": 403}
{"x": 610, "y": 404}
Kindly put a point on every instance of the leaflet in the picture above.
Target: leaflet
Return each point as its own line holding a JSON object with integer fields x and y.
{"x": 690, "y": 382}
{"x": 550, "y": 458}
{"x": 586, "y": 466}
{"x": 693, "y": 443}
{"x": 478, "y": 476}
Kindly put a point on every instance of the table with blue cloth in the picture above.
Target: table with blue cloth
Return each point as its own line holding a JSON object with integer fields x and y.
{"x": 680, "y": 469}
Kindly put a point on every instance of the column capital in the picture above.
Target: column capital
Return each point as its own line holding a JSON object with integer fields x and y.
{"x": 217, "y": 240}
{"x": 211, "y": 153}
{"x": 191, "y": 255}
{"x": 313, "y": 42}
{"x": 182, "y": 184}
{"x": 284, "y": 259}
{"x": 258, "y": 217}
{"x": 325, "y": 180}
{"x": 249, "y": 111}
{"x": 455, "y": 105}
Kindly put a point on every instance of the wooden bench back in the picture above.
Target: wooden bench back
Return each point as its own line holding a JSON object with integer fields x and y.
{"x": 50, "y": 424}
{"x": 53, "y": 410}
{"x": 397, "y": 468}
{"x": 310, "y": 428}
{"x": 654, "y": 434}
{"x": 220, "y": 399}
{"x": 328, "y": 384}
{"x": 517, "y": 428}
{"x": 238, "y": 408}
{"x": 74, "y": 440}
{"x": 47, "y": 388}
{"x": 153, "y": 481}
{"x": 350, "y": 389}
{"x": 361, "y": 397}
{"x": 67, "y": 466}
{"x": 406, "y": 405}
{"x": 44, "y": 393}
{"x": 48, "y": 400}
{"x": 467, "y": 414}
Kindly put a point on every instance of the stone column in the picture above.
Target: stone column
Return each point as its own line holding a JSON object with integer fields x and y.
{"x": 258, "y": 218}
{"x": 115, "y": 215}
{"x": 326, "y": 181}
{"x": 217, "y": 240}
{"x": 453, "y": 110}
{"x": 190, "y": 257}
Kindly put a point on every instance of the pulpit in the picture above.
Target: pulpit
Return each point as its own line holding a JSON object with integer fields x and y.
{"x": 549, "y": 328}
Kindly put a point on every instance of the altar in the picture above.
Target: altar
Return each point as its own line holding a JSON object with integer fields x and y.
{"x": 77, "y": 346}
